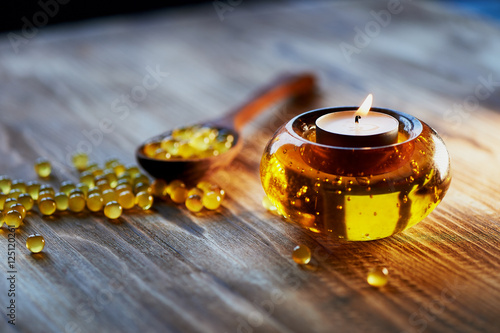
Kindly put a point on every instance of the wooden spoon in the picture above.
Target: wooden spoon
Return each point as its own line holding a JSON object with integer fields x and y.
{"x": 192, "y": 169}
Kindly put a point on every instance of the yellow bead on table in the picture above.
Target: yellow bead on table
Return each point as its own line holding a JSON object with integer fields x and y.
{"x": 33, "y": 188}
{"x": 47, "y": 188}
{"x": 13, "y": 219}
{"x": 173, "y": 184}
{"x": 18, "y": 184}
{"x": 211, "y": 200}
{"x": 112, "y": 210}
{"x": 20, "y": 208}
{"x": 87, "y": 178}
{"x": 5, "y": 184}
{"x": 76, "y": 202}
{"x": 194, "y": 203}
{"x": 9, "y": 202}
{"x": 47, "y": 206}
{"x": 94, "y": 202}
{"x": 83, "y": 187}
{"x": 123, "y": 187}
{"x": 301, "y": 254}
{"x": 35, "y": 243}
{"x": 80, "y": 161}
{"x": 62, "y": 201}
{"x": 194, "y": 191}
{"x": 140, "y": 187}
{"x": 67, "y": 186}
{"x": 378, "y": 277}
{"x": 179, "y": 194}
{"x": 109, "y": 195}
{"x": 158, "y": 188}
{"x": 43, "y": 167}
{"x": 3, "y": 197}
{"x": 132, "y": 170}
{"x": 26, "y": 200}
{"x": 14, "y": 193}
{"x": 126, "y": 199}
{"x": 144, "y": 200}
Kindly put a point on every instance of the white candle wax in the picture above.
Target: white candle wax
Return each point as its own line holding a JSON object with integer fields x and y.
{"x": 341, "y": 129}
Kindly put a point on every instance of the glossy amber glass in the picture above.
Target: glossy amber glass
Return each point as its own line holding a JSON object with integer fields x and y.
{"x": 355, "y": 194}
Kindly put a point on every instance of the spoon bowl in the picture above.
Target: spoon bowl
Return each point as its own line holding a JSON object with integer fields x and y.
{"x": 193, "y": 169}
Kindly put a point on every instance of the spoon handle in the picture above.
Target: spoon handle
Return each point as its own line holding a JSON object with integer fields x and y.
{"x": 283, "y": 87}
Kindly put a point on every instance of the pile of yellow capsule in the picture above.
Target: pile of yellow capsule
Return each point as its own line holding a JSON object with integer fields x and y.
{"x": 190, "y": 142}
{"x": 110, "y": 189}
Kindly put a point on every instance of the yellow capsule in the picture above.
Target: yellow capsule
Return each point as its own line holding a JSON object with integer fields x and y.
{"x": 18, "y": 184}
{"x": 186, "y": 151}
{"x": 194, "y": 203}
{"x": 83, "y": 187}
{"x": 35, "y": 243}
{"x": 9, "y": 202}
{"x": 161, "y": 154}
{"x": 13, "y": 219}
{"x": 47, "y": 206}
{"x": 76, "y": 191}
{"x": 94, "y": 202}
{"x": 378, "y": 277}
{"x": 301, "y": 254}
{"x": 97, "y": 172}
{"x": 94, "y": 190}
{"x": 123, "y": 181}
{"x": 109, "y": 195}
{"x": 140, "y": 178}
{"x": 43, "y": 167}
{"x": 80, "y": 161}
{"x": 125, "y": 177}
{"x": 173, "y": 184}
{"x": 111, "y": 162}
{"x": 44, "y": 194}
{"x": 158, "y": 188}
{"x": 103, "y": 185}
{"x": 33, "y": 188}
{"x": 91, "y": 167}
{"x": 170, "y": 146}
{"x": 150, "y": 148}
{"x": 48, "y": 188}
{"x": 111, "y": 178}
{"x": 132, "y": 170}
{"x": 194, "y": 191}
{"x": 87, "y": 178}
{"x": 112, "y": 210}
{"x": 126, "y": 199}
{"x": 62, "y": 201}
{"x": 3, "y": 197}
{"x": 20, "y": 208}
{"x": 67, "y": 186}
{"x": 5, "y": 184}
{"x": 119, "y": 169}
{"x": 76, "y": 202}
{"x": 179, "y": 194}
{"x": 144, "y": 200}
{"x": 211, "y": 200}
{"x": 26, "y": 200}
{"x": 140, "y": 187}
{"x": 123, "y": 187}
{"x": 15, "y": 193}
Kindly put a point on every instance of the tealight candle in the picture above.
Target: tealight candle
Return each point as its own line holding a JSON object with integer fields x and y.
{"x": 359, "y": 128}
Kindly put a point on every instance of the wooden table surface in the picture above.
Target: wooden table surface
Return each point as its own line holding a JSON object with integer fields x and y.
{"x": 168, "y": 270}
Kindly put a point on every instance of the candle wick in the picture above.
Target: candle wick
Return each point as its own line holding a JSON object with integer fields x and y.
{"x": 356, "y": 119}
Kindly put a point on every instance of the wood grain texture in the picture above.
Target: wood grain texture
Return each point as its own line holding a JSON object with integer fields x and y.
{"x": 231, "y": 270}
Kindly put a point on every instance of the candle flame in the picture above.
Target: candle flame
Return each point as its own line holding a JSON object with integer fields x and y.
{"x": 365, "y": 107}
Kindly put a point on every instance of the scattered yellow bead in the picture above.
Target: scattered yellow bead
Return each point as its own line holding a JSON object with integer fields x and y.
{"x": 76, "y": 202}
{"x": 112, "y": 210}
{"x": 62, "y": 201}
{"x": 194, "y": 203}
{"x": 20, "y": 208}
{"x": 43, "y": 167}
{"x": 158, "y": 188}
{"x": 142, "y": 187}
{"x": 18, "y": 184}
{"x": 67, "y": 186}
{"x": 80, "y": 161}
{"x": 111, "y": 162}
{"x": 47, "y": 206}
{"x": 14, "y": 193}
{"x": 109, "y": 195}
{"x": 44, "y": 194}
{"x": 123, "y": 187}
{"x": 179, "y": 194}
{"x": 47, "y": 188}
{"x": 87, "y": 178}
{"x": 301, "y": 254}
{"x": 140, "y": 178}
{"x": 3, "y": 197}
{"x": 132, "y": 170}
{"x": 94, "y": 202}
{"x": 119, "y": 169}
{"x": 33, "y": 188}
{"x": 144, "y": 200}
{"x": 26, "y": 200}
{"x": 9, "y": 202}
{"x": 5, "y": 184}
{"x": 173, "y": 184}
{"x": 195, "y": 191}
{"x": 13, "y": 219}
{"x": 378, "y": 277}
{"x": 211, "y": 200}
{"x": 35, "y": 243}
{"x": 126, "y": 199}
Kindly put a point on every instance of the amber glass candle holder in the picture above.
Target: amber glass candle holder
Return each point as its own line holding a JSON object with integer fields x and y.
{"x": 356, "y": 194}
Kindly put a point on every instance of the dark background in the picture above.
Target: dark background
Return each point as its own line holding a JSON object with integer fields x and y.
{"x": 13, "y": 11}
